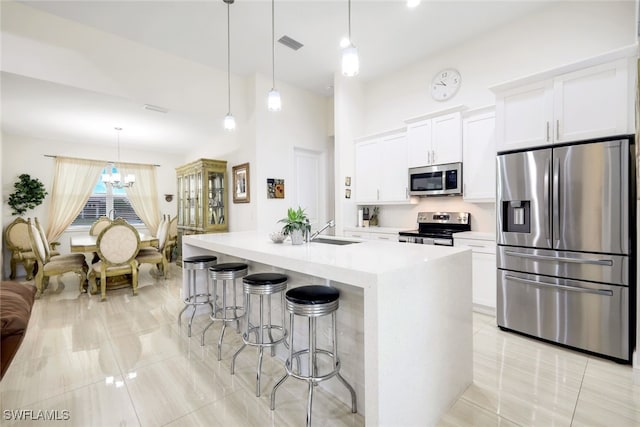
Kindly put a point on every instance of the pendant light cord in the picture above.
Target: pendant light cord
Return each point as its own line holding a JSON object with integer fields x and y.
{"x": 273, "y": 46}
{"x": 350, "y": 42}
{"x": 229, "y": 55}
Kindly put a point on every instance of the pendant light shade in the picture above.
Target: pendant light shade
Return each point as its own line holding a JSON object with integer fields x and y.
{"x": 350, "y": 59}
{"x": 274, "y": 103}
{"x": 229, "y": 121}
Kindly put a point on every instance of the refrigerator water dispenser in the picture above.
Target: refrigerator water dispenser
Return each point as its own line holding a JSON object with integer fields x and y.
{"x": 516, "y": 214}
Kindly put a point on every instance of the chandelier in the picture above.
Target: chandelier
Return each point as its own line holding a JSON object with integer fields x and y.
{"x": 114, "y": 179}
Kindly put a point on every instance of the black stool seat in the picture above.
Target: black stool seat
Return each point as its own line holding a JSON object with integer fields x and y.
{"x": 313, "y": 294}
{"x": 265, "y": 279}
{"x": 199, "y": 262}
{"x": 229, "y": 266}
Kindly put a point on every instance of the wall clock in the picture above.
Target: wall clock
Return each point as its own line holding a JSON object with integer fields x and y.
{"x": 445, "y": 84}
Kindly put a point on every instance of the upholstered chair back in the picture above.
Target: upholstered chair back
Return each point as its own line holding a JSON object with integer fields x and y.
{"x": 162, "y": 234}
{"x": 172, "y": 233}
{"x": 17, "y": 235}
{"x": 37, "y": 245}
{"x": 99, "y": 225}
{"x": 43, "y": 237}
{"x": 118, "y": 243}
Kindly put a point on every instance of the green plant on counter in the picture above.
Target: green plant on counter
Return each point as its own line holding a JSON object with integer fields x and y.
{"x": 373, "y": 220}
{"x": 295, "y": 220}
{"x": 29, "y": 193}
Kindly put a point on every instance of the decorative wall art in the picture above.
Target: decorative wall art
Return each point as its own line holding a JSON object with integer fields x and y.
{"x": 241, "y": 192}
{"x": 275, "y": 188}
{"x": 347, "y": 181}
{"x": 347, "y": 193}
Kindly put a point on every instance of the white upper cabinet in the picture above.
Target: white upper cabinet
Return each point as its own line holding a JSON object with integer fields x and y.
{"x": 577, "y": 102}
{"x": 435, "y": 139}
{"x": 479, "y": 156}
{"x": 591, "y": 103}
{"x": 419, "y": 143}
{"x": 381, "y": 174}
{"x": 446, "y": 138}
{"x": 525, "y": 116}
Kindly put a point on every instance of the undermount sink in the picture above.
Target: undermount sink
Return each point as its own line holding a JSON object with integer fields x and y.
{"x": 333, "y": 241}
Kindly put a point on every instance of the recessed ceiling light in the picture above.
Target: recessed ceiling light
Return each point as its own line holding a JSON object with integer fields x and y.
{"x": 412, "y": 3}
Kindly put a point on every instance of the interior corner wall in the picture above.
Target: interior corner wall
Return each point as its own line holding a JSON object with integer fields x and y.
{"x": 349, "y": 123}
{"x": 302, "y": 123}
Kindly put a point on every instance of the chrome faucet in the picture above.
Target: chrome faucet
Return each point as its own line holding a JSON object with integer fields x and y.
{"x": 110, "y": 216}
{"x": 331, "y": 223}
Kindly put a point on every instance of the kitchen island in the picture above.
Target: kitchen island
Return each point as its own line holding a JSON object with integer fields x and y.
{"x": 405, "y": 332}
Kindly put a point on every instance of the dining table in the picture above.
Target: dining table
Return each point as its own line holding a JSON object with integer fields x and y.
{"x": 88, "y": 243}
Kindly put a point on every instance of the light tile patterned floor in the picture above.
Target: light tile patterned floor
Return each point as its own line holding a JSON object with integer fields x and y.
{"x": 125, "y": 362}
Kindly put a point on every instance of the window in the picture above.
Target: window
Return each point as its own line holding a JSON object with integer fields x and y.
{"x": 107, "y": 201}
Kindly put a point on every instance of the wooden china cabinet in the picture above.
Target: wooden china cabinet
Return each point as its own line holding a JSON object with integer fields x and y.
{"x": 201, "y": 199}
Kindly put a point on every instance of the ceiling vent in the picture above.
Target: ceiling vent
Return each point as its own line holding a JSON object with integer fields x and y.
{"x": 155, "y": 108}
{"x": 290, "y": 43}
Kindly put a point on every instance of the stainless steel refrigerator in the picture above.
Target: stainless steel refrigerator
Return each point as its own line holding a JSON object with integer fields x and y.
{"x": 566, "y": 245}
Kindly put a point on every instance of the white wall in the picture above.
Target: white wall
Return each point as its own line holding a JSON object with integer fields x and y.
{"x": 561, "y": 33}
{"x": 302, "y": 123}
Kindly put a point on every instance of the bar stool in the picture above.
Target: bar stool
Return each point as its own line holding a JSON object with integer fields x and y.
{"x": 262, "y": 284}
{"x": 192, "y": 265}
{"x": 224, "y": 272}
{"x": 312, "y": 302}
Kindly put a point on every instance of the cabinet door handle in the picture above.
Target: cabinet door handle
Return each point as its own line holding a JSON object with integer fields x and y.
{"x": 433, "y": 156}
{"x": 557, "y": 130}
{"x": 429, "y": 157}
{"x": 547, "y": 131}
{"x": 378, "y": 194}
{"x": 406, "y": 192}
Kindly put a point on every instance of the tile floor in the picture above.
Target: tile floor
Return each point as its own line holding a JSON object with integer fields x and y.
{"x": 125, "y": 362}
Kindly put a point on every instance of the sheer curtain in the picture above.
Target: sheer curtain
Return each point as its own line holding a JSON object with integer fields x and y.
{"x": 73, "y": 184}
{"x": 143, "y": 195}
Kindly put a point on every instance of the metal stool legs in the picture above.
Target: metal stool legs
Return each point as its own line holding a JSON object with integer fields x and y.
{"x": 312, "y": 378}
{"x": 194, "y": 299}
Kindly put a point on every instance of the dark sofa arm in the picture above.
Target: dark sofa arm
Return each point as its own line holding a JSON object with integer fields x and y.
{"x": 16, "y": 301}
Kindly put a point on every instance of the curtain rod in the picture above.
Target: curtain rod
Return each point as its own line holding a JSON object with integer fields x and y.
{"x": 106, "y": 161}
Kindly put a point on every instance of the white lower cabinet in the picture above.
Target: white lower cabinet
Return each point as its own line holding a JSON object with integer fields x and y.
{"x": 372, "y": 234}
{"x": 484, "y": 279}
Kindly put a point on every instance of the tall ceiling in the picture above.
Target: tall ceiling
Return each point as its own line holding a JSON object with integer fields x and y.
{"x": 389, "y": 36}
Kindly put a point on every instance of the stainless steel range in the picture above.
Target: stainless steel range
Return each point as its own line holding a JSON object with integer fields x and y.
{"x": 437, "y": 228}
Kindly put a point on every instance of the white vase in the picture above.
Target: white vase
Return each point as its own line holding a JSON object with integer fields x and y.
{"x": 297, "y": 237}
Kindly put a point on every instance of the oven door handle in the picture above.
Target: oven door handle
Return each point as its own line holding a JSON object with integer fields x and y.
{"x": 606, "y": 262}
{"x": 604, "y": 292}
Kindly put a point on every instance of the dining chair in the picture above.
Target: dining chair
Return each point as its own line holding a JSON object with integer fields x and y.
{"x": 16, "y": 235}
{"x": 51, "y": 253}
{"x": 172, "y": 238}
{"x": 99, "y": 224}
{"x": 117, "y": 247}
{"x": 151, "y": 255}
{"x": 47, "y": 267}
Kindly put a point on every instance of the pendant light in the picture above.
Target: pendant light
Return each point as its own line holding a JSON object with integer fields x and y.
{"x": 350, "y": 60}
{"x": 274, "y": 103}
{"x": 229, "y": 121}
{"x": 114, "y": 179}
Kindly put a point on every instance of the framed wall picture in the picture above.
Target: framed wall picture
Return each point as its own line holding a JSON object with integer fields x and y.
{"x": 275, "y": 188}
{"x": 241, "y": 192}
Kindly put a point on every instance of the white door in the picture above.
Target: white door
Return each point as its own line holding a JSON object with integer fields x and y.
{"x": 310, "y": 185}
{"x": 419, "y": 143}
{"x": 395, "y": 180}
{"x": 367, "y": 178}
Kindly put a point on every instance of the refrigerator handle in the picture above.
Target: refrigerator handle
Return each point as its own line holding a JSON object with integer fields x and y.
{"x": 547, "y": 174}
{"x": 556, "y": 203}
{"x": 604, "y": 292}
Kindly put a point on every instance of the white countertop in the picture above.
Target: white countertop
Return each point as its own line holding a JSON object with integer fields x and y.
{"x": 475, "y": 235}
{"x": 358, "y": 264}
{"x": 377, "y": 229}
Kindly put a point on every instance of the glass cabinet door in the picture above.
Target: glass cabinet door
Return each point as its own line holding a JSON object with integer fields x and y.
{"x": 192, "y": 200}
{"x": 180, "y": 202}
{"x": 215, "y": 194}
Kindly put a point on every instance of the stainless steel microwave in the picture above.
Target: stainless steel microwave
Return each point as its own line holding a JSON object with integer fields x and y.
{"x": 436, "y": 180}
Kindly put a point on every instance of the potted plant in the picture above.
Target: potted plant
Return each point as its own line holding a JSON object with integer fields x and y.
{"x": 296, "y": 224}
{"x": 29, "y": 193}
